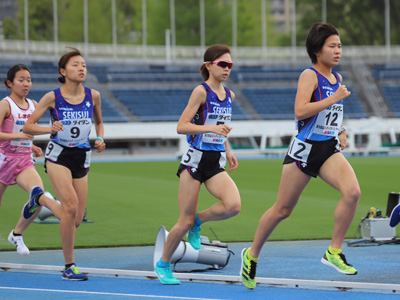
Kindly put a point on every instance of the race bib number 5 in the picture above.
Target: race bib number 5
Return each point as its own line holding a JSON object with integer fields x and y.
{"x": 192, "y": 158}
{"x": 299, "y": 150}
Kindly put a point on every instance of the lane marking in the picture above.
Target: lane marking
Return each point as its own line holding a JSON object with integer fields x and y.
{"x": 218, "y": 278}
{"x": 104, "y": 293}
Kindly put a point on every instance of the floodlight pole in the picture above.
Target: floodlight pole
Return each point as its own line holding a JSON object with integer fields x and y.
{"x": 168, "y": 45}
{"x": 26, "y": 28}
{"x": 293, "y": 19}
{"x": 387, "y": 30}
{"x": 323, "y": 11}
{"x": 114, "y": 27}
{"x": 234, "y": 27}
{"x": 173, "y": 30}
{"x": 85, "y": 28}
{"x": 202, "y": 27}
{"x": 264, "y": 28}
{"x": 55, "y": 21}
{"x": 144, "y": 29}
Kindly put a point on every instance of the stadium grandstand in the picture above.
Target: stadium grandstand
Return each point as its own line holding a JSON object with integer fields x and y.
{"x": 142, "y": 99}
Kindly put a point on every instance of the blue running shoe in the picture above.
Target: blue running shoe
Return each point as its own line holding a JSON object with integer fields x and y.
{"x": 165, "y": 275}
{"x": 31, "y": 206}
{"x": 72, "y": 273}
{"x": 194, "y": 237}
{"x": 395, "y": 216}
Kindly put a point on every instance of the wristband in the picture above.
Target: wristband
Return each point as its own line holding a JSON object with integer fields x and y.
{"x": 99, "y": 138}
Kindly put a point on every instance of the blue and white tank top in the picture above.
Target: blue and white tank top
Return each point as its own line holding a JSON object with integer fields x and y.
{"x": 326, "y": 124}
{"x": 213, "y": 112}
{"x": 76, "y": 120}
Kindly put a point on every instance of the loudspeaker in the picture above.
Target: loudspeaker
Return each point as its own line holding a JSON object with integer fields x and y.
{"x": 215, "y": 253}
{"x": 393, "y": 200}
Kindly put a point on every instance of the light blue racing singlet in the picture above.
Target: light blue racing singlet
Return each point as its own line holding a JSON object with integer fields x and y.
{"x": 326, "y": 124}
{"x": 76, "y": 119}
{"x": 212, "y": 112}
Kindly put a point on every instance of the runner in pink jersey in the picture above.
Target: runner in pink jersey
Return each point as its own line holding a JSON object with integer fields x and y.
{"x": 16, "y": 149}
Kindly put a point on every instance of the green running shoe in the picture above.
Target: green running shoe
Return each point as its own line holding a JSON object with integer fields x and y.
{"x": 194, "y": 237}
{"x": 338, "y": 262}
{"x": 165, "y": 275}
{"x": 248, "y": 270}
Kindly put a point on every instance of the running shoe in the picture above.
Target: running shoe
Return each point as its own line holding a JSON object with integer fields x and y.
{"x": 18, "y": 242}
{"x": 248, "y": 270}
{"x": 194, "y": 237}
{"x": 31, "y": 206}
{"x": 72, "y": 273}
{"x": 395, "y": 216}
{"x": 165, "y": 275}
{"x": 338, "y": 262}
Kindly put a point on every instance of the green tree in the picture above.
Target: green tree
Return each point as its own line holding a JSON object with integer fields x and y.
{"x": 249, "y": 23}
{"x": 40, "y": 15}
{"x": 129, "y": 21}
{"x": 10, "y": 29}
{"x": 41, "y": 20}
{"x": 158, "y": 20}
{"x": 70, "y": 21}
{"x": 187, "y": 22}
{"x": 360, "y": 22}
{"x": 218, "y": 22}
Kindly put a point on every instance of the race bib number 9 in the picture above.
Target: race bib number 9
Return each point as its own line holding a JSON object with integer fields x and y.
{"x": 299, "y": 150}
{"x": 53, "y": 151}
{"x": 75, "y": 132}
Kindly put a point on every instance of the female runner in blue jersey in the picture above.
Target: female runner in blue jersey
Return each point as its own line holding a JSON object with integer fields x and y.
{"x": 67, "y": 155}
{"x": 315, "y": 151}
{"x": 206, "y": 122}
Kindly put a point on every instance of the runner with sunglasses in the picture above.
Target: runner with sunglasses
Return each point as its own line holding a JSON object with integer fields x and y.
{"x": 315, "y": 151}
{"x": 206, "y": 122}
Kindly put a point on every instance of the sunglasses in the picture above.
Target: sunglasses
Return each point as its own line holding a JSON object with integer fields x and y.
{"x": 223, "y": 64}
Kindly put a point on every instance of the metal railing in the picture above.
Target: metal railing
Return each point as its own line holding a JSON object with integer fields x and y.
{"x": 51, "y": 50}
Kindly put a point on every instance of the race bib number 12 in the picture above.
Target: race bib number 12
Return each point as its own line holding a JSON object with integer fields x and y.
{"x": 299, "y": 150}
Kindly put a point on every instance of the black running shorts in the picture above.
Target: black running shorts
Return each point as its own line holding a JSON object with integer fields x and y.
{"x": 319, "y": 153}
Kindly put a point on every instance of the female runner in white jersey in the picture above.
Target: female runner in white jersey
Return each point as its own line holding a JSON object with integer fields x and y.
{"x": 315, "y": 151}
{"x": 206, "y": 122}
{"x": 68, "y": 153}
{"x": 16, "y": 163}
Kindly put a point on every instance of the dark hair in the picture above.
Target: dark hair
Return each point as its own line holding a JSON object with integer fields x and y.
{"x": 65, "y": 59}
{"x": 316, "y": 38}
{"x": 13, "y": 71}
{"x": 211, "y": 54}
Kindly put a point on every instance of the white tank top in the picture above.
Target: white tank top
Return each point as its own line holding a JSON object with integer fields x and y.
{"x": 14, "y": 124}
